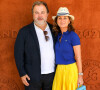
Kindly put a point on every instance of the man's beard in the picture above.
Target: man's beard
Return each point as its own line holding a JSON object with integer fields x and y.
{"x": 40, "y": 22}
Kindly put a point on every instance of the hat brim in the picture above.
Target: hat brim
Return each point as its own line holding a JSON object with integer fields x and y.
{"x": 72, "y": 17}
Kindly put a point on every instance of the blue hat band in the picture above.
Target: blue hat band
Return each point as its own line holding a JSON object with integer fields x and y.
{"x": 59, "y": 14}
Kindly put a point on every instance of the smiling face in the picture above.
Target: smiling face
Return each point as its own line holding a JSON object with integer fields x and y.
{"x": 40, "y": 14}
{"x": 63, "y": 21}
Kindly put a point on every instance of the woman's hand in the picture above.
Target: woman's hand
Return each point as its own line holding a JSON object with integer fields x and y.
{"x": 80, "y": 80}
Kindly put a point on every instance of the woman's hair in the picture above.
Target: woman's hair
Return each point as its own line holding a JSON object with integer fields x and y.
{"x": 56, "y": 28}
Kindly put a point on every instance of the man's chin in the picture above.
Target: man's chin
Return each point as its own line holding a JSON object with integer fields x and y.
{"x": 40, "y": 23}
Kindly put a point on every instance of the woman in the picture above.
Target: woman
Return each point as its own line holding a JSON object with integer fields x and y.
{"x": 68, "y": 53}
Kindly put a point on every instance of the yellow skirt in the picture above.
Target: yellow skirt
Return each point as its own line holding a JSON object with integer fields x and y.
{"x": 66, "y": 77}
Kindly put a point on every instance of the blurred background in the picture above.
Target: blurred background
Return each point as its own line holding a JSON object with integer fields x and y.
{"x": 14, "y": 14}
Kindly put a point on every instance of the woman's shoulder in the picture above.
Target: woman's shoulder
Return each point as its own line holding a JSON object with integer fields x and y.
{"x": 74, "y": 34}
{"x": 75, "y": 38}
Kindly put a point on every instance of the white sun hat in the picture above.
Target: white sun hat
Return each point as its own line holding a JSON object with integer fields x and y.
{"x": 63, "y": 11}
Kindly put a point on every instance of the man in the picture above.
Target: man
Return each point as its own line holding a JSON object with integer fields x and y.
{"x": 34, "y": 51}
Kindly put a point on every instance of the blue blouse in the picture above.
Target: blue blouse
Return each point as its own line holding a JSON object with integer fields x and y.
{"x": 64, "y": 50}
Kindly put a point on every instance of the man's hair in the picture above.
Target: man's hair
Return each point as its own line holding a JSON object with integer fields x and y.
{"x": 40, "y": 3}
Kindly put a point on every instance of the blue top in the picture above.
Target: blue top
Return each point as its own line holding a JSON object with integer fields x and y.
{"x": 64, "y": 49}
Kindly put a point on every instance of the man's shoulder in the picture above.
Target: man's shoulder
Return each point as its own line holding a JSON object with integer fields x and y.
{"x": 26, "y": 27}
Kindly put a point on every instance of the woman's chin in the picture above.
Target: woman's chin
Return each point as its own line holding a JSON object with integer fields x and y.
{"x": 63, "y": 27}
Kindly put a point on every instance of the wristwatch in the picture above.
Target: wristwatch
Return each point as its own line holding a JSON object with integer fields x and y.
{"x": 80, "y": 73}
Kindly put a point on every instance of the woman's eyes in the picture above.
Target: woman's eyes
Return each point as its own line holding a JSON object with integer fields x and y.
{"x": 59, "y": 18}
{"x": 62, "y": 18}
{"x": 65, "y": 18}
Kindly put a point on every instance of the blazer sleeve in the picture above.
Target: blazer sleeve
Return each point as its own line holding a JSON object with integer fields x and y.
{"x": 19, "y": 52}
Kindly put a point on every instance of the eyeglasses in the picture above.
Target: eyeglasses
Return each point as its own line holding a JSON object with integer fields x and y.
{"x": 45, "y": 34}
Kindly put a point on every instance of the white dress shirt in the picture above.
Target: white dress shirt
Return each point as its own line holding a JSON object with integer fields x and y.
{"x": 46, "y": 50}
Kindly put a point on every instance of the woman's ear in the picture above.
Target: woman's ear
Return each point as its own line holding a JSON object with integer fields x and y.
{"x": 69, "y": 22}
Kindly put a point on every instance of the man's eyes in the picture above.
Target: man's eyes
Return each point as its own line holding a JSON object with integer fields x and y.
{"x": 38, "y": 12}
{"x": 42, "y": 12}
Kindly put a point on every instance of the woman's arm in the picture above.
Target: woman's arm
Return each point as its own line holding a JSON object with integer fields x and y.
{"x": 77, "y": 51}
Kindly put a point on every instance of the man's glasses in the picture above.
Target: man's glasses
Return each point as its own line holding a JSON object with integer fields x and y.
{"x": 45, "y": 34}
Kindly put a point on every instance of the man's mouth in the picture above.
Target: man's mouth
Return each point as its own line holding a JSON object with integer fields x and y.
{"x": 40, "y": 18}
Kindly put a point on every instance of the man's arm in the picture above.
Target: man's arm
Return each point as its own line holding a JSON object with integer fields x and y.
{"x": 19, "y": 56}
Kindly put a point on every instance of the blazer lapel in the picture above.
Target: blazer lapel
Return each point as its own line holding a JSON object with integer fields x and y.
{"x": 52, "y": 33}
{"x": 33, "y": 32}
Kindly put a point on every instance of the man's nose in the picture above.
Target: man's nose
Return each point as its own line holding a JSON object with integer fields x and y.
{"x": 39, "y": 15}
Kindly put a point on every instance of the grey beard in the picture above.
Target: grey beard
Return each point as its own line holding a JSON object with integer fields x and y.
{"x": 40, "y": 23}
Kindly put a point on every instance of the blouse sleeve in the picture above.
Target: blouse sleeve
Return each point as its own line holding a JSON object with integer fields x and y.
{"x": 75, "y": 39}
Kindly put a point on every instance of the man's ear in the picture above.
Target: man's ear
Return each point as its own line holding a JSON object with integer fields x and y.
{"x": 47, "y": 14}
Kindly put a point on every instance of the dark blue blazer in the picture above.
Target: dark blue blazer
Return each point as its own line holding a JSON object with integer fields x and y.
{"x": 27, "y": 53}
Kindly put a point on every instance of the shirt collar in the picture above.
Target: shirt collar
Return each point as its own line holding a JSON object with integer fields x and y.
{"x": 47, "y": 27}
{"x": 64, "y": 33}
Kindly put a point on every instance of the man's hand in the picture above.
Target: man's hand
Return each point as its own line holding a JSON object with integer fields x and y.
{"x": 24, "y": 79}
